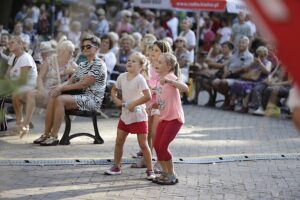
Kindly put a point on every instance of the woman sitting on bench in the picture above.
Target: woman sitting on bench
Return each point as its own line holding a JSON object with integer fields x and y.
{"x": 84, "y": 91}
{"x": 56, "y": 69}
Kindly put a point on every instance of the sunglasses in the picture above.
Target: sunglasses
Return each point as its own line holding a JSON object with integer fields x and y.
{"x": 88, "y": 46}
{"x": 179, "y": 41}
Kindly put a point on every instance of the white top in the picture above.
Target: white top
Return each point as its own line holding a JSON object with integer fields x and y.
{"x": 173, "y": 25}
{"x": 110, "y": 60}
{"x": 64, "y": 25}
{"x": 294, "y": 98}
{"x": 131, "y": 91}
{"x": 225, "y": 33}
{"x": 239, "y": 30}
{"x": 252, "y": 27}
{"x": 23, "y": 61}
{"x": 190, "y": 40}
{"x": 75, "y": 38}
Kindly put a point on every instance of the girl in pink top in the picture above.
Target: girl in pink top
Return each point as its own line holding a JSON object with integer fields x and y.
{"x": 159, "y": 47}
{"x": 153, "y": 52}
{"x": 171, "y": 114}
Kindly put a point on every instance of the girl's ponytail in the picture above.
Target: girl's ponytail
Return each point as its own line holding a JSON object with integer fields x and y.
{"x": 177, "y": 70}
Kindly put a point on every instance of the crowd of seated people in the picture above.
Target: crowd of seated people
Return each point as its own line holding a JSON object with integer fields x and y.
{"x": 254, "y": 79}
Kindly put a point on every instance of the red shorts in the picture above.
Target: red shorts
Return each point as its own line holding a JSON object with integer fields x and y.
{"x": 135, "y": 128}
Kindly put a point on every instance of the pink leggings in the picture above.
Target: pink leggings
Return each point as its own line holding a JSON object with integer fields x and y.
{"x": 165, "y": 133}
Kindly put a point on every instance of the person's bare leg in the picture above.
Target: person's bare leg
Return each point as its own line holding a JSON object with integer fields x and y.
{"x": 164, "y": 166}
{"x": 142, "y": 139}
{"x": 150, "y": 135}
{"x": 18, "y": 106}
{"x": 170, "y": 167}
{"x": 155, "y": 120}
{"x": 120, "y": 140}
{"x": 62, "y": 102}
{"x": 246, "y": 101}
{"x": 30, "y": 106}
{"x": 296, "y": 117}
{"x": 49, "y": 116}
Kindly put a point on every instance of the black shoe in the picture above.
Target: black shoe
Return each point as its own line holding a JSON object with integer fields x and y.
{"x": 41, "y": 139}
{"x": 51, "y": 141}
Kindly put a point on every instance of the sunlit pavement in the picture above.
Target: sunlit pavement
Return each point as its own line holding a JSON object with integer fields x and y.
{"x": 208, "y": 133}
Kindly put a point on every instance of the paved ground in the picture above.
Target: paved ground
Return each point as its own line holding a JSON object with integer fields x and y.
{"x": 208, "y": 132}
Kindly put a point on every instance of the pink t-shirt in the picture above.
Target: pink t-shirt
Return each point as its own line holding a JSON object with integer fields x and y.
{"x": 169, "y": 102}
{"x": 152, "y": 82}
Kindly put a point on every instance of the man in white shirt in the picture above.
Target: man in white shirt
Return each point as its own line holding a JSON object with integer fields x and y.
{"x": 189, "y": 36}
{"x": 173, "y": 24}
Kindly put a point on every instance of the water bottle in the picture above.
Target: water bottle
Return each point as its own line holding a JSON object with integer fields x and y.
{"x": 137, "y": 109}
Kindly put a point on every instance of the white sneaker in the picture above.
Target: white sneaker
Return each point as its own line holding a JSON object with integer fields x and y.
{"x": 114, "y": 170}
{"x": 150, "y": 175}
{"x": 259, "y": 111}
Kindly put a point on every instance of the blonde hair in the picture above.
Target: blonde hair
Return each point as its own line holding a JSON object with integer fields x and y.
{"x": 129, "y": 38}
{"x": 183, "y": 39}
{"x": 149, "y": 47}
{"x": 262, "y": 50}
{"x": 65, "y": 45}
{"x": 19, "y": 41}
{"x": 126, "y": 13}
{"x": 144, "y": 62}
{"x": 163, "y": 45}
{"x": 147, "y": 40}
{"x": 171, "y": 60}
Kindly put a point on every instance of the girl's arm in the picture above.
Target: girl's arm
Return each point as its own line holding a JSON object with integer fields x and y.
{"x": 116, "y": 100}
{"x": 176, "y": 83}
{"x": 146, "y": 97}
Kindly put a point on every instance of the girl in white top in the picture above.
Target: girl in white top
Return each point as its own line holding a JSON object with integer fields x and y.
{"x": 134, "y": 119}
{"x": 23, "y": 72}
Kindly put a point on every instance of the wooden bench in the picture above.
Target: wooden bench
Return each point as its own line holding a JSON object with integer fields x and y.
{"x": 65, "y": 140}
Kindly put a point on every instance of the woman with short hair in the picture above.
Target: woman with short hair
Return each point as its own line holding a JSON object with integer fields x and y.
{"x": 108, "y": 56}
{"x": 84, "y": 91}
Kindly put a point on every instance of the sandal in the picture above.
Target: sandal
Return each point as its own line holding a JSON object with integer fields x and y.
{"x": 169, "y": 179}
{"x": 23, "y": 131}
{"x": 162, "y": 176}
{"x": 42, "y": 138}
{"x": 51, "y": 141}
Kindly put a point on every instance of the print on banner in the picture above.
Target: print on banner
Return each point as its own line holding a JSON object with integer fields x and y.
{"x": 197, "y": 5}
